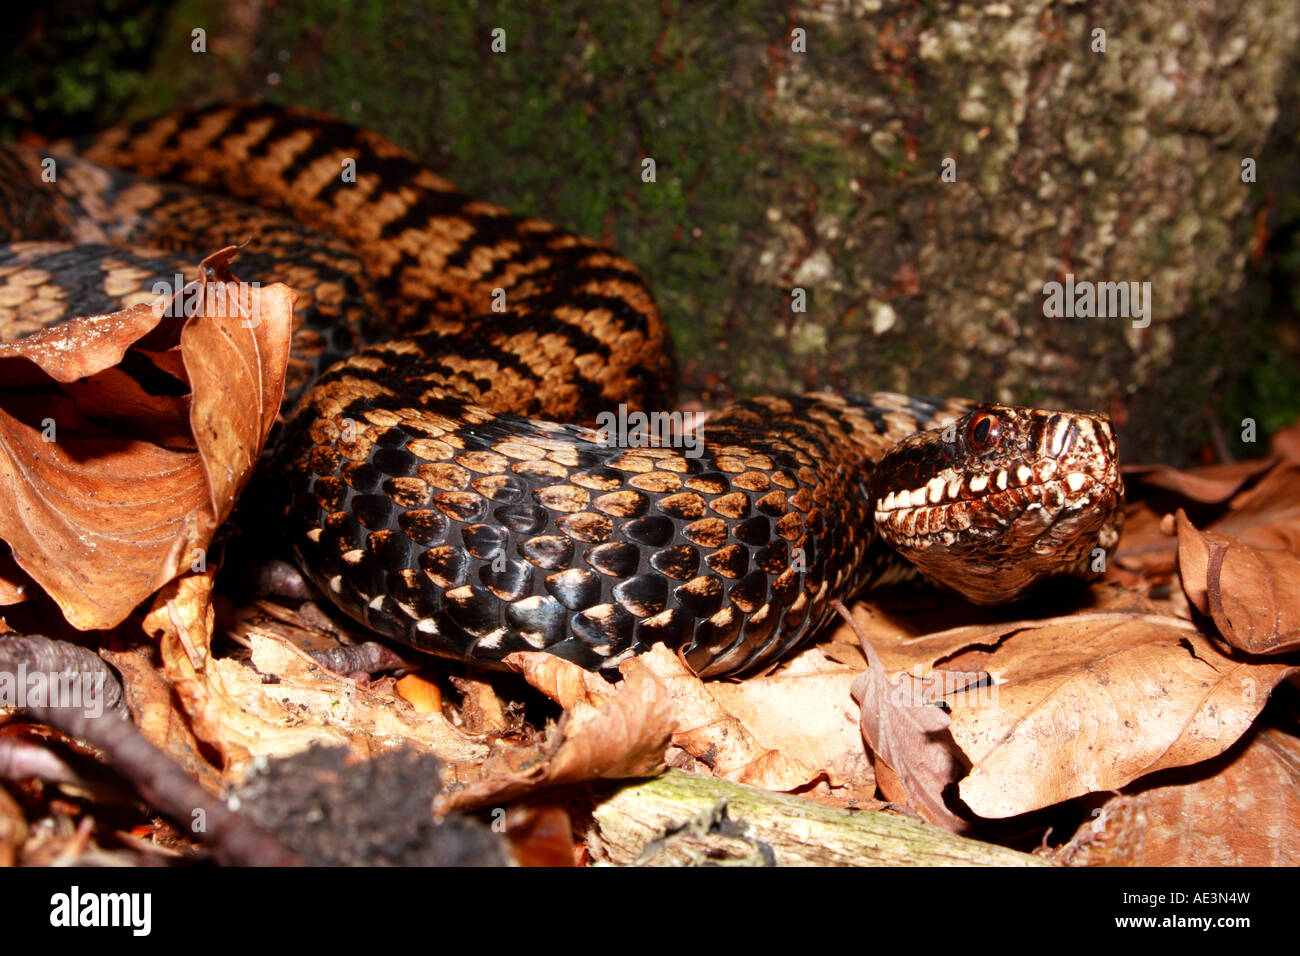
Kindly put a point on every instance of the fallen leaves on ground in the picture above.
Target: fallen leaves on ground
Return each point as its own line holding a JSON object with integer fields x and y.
{"x": 114, "y": 491}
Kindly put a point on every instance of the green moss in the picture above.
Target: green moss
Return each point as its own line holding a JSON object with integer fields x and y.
{"x": 559, "y": 124}
{"x": 67, "y": 72}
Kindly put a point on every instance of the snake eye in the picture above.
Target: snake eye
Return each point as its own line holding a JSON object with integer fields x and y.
{"x": 982, "y": 432}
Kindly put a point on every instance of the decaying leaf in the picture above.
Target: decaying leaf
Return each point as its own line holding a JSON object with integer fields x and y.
{"x": 155, "y": 712}
{"x": 285, "y": 702}
{"x": 108, "y": 501}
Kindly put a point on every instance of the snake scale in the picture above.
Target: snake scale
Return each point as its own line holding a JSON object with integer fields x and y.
{"x": 428, "y": 488}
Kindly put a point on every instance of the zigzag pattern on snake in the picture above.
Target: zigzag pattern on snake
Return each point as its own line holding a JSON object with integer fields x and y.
{"x": 429, "y": 490}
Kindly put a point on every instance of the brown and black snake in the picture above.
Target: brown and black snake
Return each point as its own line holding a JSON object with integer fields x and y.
{"x": 427, "y": 489}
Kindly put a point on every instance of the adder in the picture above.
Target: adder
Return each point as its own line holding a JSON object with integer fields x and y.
{"x": 442, "y": 483}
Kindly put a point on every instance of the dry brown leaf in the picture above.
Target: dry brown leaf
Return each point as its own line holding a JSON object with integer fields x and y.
{"x": 1240, "y": 810}
{"x": 77, "y": 349}
{"x": 481, "y": 708}
{"x": 905, "y": 728}
{"x": 306, "y": 704}
{"x": 111, "y": 509}
{"x": 1093, "y": 702}
{"x": 805, "y": 711}
{"x": 560, "y": 680}
{"x": 15, "y": 585}
{"x": 1268, "y": 514}
{"x": 154, "y": 709}
{"x": 715, "y": 740}
{"x": 1145, "y": 546}
{"x": 1253, "y": 594}
{"x": 1081, "y": 703}
{"x": 1209, "y": 484}
{"x": 541, "y": 836}
{"x": 181, "y": 618}
{"x": 233, "y": 708}
{"x": 624, "y": 735}
{"x": 1273, "y": 502}
{"x": 778, "y": 752}
{"x": 1286, "y": 444}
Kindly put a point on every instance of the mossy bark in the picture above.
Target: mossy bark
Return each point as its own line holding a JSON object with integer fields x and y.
{"x": 802, "y": 147}
{"x": 679, "y": 819}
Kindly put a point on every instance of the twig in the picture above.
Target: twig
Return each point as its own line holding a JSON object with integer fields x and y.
{"x": 232, "y": 838}
{"x": 367, "y": 658}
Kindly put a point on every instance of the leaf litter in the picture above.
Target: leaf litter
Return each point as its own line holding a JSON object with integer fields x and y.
{"x": 1137, "y": 700}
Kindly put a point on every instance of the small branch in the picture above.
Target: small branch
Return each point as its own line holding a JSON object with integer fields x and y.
{"x": 233, "y": 839}
{"x": 367, "y": 658}
{"x": 684, "y": 819}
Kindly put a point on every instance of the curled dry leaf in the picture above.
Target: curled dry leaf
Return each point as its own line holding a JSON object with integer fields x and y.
{"x": 1252, "y": 593}
{"x": 563, "y": 682}
{"x": 905, "y": 728}
{"x": 109, "y": 501}
{"x": 623, "y": 735}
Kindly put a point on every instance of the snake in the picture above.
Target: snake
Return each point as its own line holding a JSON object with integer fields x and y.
{"x": 443, "y": 473}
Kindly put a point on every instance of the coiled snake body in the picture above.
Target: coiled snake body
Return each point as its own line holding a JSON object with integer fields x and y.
{"x": 428, "y": 492}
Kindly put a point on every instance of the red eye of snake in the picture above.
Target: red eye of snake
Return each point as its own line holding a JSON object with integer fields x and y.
{"x": 982, "y": 432}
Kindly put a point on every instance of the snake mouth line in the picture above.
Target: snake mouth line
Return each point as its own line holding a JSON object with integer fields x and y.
{"x": 978, "y": 508}
{"x": 940, "y": 492}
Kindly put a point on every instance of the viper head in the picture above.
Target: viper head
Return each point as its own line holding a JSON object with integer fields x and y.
{"x": 1001, "y": 498}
